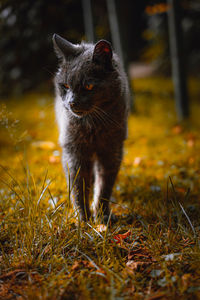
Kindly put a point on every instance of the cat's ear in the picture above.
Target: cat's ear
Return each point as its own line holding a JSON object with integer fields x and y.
{"x": 63, "y": 48}
{"x": 103, "y": 53}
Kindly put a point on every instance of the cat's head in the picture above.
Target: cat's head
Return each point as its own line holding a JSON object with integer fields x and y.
{"x": 86, "y": 77}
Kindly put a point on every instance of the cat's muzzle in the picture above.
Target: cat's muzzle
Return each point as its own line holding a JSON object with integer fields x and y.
{"x": 76, "y": 109}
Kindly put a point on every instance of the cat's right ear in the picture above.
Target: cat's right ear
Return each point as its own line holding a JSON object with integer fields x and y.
{"x": 63, "y": 48}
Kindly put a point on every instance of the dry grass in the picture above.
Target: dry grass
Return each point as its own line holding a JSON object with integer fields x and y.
{"x": 151, "y": 254}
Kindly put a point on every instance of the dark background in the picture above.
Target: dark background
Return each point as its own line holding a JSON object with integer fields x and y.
{"x": 27, "y": 59}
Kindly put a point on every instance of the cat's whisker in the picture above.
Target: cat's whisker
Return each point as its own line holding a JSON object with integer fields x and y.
{"x": 106, "y": 119}
{"x": 95, "y": 116}
{"x": 107, "y": 116}
{"x": 100, "y": 118}
{"x": 92, "y": 120}
{"x": 111, "y": 119}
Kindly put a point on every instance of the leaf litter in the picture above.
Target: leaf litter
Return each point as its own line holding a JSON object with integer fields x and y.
{"x": 151, "y": 252}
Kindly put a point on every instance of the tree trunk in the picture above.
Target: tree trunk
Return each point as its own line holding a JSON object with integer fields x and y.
{"x": 88, "y": 20}
{"x": 178, "y": 59}
{"x": 115, "y": 33}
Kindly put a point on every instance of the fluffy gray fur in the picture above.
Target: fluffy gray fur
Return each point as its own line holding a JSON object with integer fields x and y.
{"x": 92, "y": 121}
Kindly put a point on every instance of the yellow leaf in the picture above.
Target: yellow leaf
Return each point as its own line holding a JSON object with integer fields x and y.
{"x": 54, "y": 159}
{"x": 44, "y": 145}
{"x": 101, "y": 227}
{"x": 137, "y": 161}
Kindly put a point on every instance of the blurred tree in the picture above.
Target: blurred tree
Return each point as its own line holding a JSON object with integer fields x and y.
{"x": 88, "y": 20}
{"x": 114, "y": 28}
{"x": 156, "y": 34}
{"x": 26, "y": 29}
{"x": 178, "y": 58}
{"x": 132, "y": 23}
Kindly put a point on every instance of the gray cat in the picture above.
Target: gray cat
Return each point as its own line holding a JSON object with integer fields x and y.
{"x": 91, "y": 105}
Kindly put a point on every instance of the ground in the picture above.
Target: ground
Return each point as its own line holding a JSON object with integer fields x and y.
{"x": 152, "y": 252}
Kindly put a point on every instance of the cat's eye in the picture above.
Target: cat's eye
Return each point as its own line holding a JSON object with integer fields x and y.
{"x": 66, "y": 86}
{"x": 89, "y": 87}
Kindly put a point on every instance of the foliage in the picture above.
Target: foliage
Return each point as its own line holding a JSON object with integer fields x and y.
{"x": 151, "y": 252}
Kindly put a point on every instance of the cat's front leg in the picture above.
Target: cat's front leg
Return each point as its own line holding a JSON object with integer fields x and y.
{"x": 79, "y": 175}
{"x": 106, "y": 169}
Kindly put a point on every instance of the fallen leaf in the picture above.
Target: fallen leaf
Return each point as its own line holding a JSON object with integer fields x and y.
{"x": 54, "y": 159}
{"x": 140, "y": 253}
{"x": 120, "y": 237}
{"x": 185, "y": 280}
{"x": 101, "y": 271}
{"x": 79, "y": 264}
{"x": 75, "y": 265}
{"x": 135, "y": 265}
{"x": 101, "y": 227}
{"x": 177, "y": 129}
{"x": 44, "y": 145}
{"x": 11, "y": 274}
{"x": 190, "y": 143}
{"x": 181, "y": 190}
{"x": 137, "y": 161}
{"x": 158, "y": 295}
{"x": 191, "y": 160}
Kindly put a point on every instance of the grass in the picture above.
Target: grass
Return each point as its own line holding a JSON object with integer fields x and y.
{"x": 152, "y": 254}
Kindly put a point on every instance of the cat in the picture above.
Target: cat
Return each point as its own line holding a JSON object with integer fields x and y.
{"x": 91, "y": 105}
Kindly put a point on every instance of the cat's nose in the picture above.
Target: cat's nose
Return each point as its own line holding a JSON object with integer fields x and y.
{"x": 72, "y": 103}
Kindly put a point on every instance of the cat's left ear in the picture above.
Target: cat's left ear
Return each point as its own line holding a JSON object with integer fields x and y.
{"x": 103, "y": 53}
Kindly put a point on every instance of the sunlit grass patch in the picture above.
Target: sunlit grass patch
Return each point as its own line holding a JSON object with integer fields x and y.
{"x": 151, "y": 252}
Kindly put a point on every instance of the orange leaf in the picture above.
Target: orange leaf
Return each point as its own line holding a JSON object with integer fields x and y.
{"x": 190, "y": 143}
{"x": 181, "y": 190}
{"x": 177, "y": 129}
{"x": 120, "y": 237}
{"x": 191, "y": 160}
{"x": 54, "y": 159}
{"x": 75, "y": 265}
